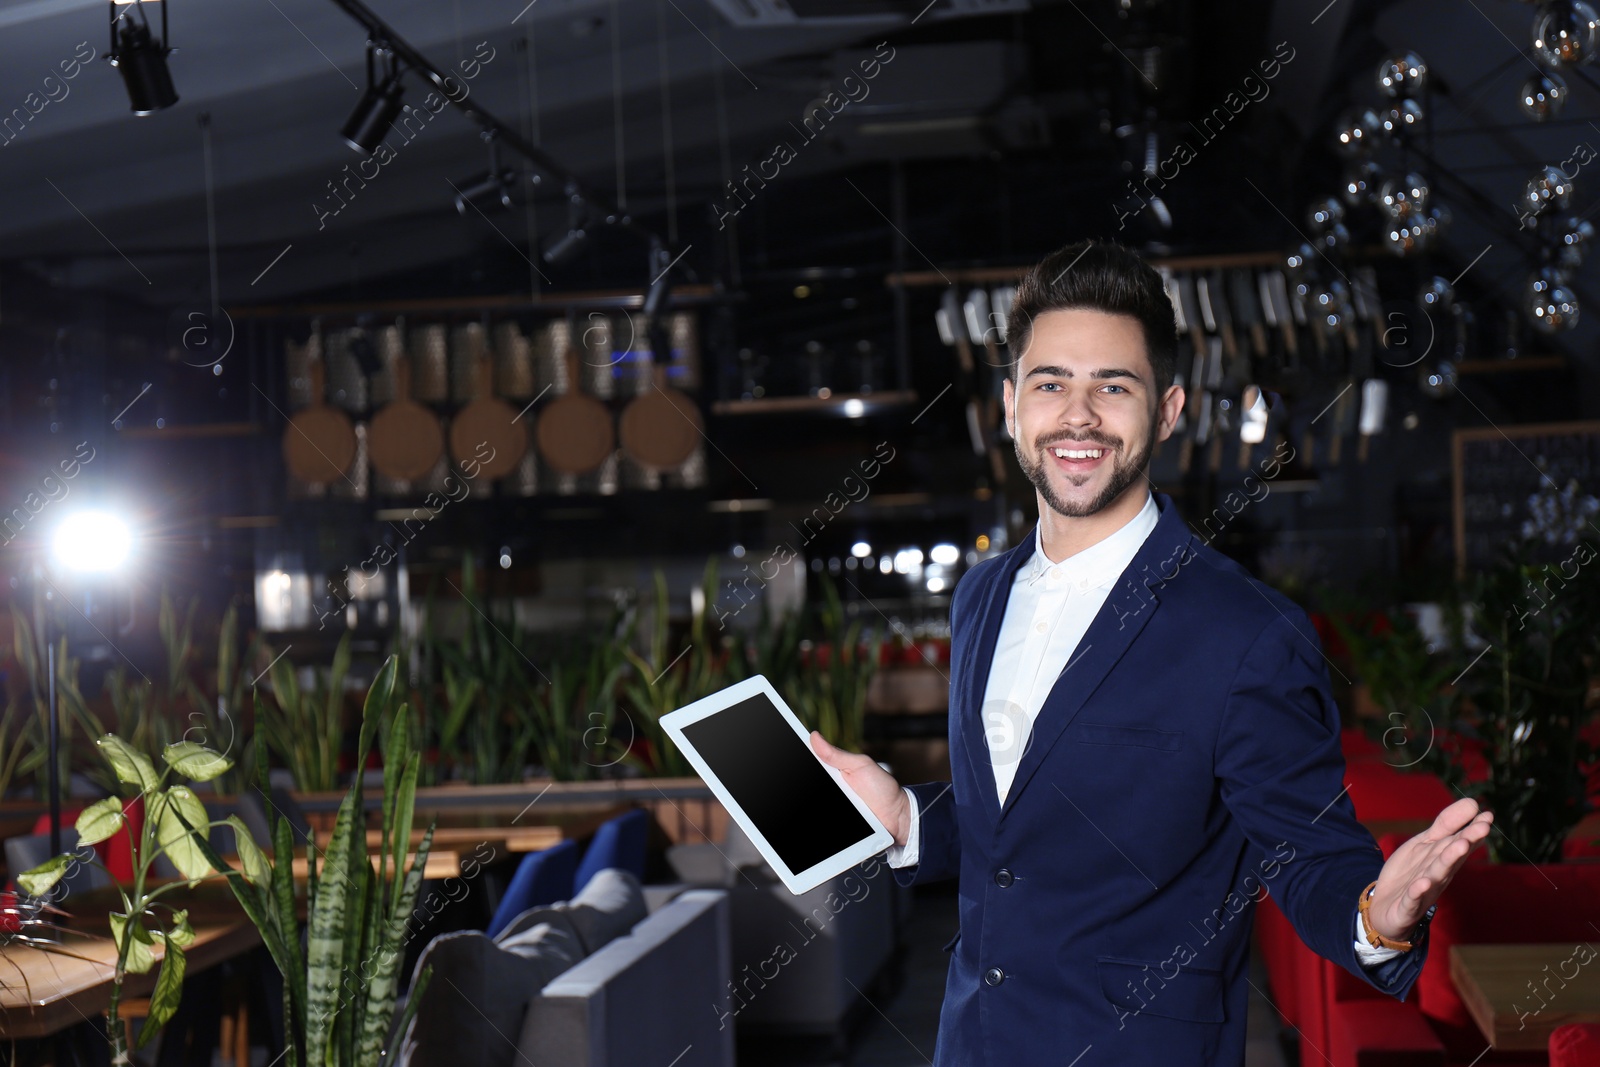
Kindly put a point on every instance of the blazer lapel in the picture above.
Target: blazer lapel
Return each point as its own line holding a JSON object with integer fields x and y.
{"x": 1129, "y": 606}
{"x": 992, "y": 601}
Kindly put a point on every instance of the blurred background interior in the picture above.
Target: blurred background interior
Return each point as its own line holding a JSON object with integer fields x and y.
{"x": 590, "y": 355}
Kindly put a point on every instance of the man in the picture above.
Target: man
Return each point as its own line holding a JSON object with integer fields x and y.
{"x": 1142, "y": 738}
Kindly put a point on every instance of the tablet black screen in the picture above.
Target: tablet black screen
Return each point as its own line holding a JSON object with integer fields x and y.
{"x": 774, "y": 776}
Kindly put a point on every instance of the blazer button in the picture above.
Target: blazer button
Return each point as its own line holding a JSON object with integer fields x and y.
{"x": 1002, "y": 878}
{"x": 994, "y": 976}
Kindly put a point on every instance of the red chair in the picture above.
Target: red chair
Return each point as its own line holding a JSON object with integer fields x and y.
{"x": 1575, "y": 1045}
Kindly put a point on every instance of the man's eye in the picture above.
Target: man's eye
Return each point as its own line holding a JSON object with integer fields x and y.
{"x": 1117, "y": 387}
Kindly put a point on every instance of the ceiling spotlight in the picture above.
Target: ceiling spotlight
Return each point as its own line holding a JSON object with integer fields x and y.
{"x": 486, "y": 190}
{"x": 141, "y": 58}
{"x": 567, "y": 246}
{"x": 492, "y": 187}
{"x": 378, "y": 107}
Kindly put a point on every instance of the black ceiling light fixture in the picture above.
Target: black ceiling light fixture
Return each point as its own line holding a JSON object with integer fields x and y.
{"x": 141, "y": 58}
{"x": 379, "y": 105}
{"x": 490, "y": 188}
{"x": 567, "y": 246}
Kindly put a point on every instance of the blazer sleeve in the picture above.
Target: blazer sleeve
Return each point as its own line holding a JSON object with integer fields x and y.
{"x": 1281, "y": 775}
{"x": 939, "y": 839}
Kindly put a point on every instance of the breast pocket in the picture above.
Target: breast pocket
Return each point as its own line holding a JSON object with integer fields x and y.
{"x": 1094, "y": 733}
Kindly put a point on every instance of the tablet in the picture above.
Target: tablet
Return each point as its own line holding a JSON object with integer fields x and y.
{"x": 756, "y": 756}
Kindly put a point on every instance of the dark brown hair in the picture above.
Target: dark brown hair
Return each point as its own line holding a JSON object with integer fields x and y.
{"x": 1105, "y": 277}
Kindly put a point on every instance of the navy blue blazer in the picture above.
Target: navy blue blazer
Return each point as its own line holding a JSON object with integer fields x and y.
{"x": 1185, "y": 764}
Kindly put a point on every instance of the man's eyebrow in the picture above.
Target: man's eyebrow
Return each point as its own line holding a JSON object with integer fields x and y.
{"x": 1066, "y": 372}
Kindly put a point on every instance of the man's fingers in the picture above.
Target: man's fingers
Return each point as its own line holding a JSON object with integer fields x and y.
{"x": 1452, "y": 819}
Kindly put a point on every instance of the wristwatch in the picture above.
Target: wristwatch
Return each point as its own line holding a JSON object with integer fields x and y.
{"x": 1377, "y": 940}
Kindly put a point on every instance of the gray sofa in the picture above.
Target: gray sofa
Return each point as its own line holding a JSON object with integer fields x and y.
{"x": 800, "y": 963}
{"x": 612, "y": 978}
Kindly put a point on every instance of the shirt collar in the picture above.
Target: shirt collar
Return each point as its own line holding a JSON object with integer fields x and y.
{"x": 1100, "y": 563}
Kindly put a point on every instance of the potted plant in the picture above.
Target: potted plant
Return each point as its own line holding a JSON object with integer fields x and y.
{"x": 341, "y": 986}
{"x": 1499, "y": 712}
{"x": 175, "y": 827}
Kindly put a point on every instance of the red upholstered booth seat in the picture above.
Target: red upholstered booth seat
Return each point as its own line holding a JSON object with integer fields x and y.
{"x": 1342, "y": 1019}
{"x": 1491, "y": 904}
{"x": 1575, "y": 1045}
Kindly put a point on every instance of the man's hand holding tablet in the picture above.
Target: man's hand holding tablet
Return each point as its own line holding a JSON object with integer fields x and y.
{"x": 871, "y": 783}
{"x": 807, "y": 821}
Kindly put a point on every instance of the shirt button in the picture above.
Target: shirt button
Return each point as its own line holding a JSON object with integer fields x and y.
{"x": 994, "y": 976}
{"x": 1039, "y": 626}
{"x": 1084, "y": 584}
{"x": 1002, "y": 878}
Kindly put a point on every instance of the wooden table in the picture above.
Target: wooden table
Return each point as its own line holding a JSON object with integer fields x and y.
{"x": 1494, "y": 983}
{"x": 43, "y": 992}
{"x": 463, "y": 833}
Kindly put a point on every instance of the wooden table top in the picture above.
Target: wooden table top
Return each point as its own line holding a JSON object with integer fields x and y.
{"x": 1518, "y": 994}
{"x": 44, "y": 992}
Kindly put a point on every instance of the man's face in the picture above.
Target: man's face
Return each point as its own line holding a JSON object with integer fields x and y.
{"x": 1083, "y": 411}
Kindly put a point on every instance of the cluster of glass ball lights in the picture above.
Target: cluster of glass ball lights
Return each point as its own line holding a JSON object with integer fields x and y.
{"x": 1411, "y": 220}
{"x": 1566, "y": 33}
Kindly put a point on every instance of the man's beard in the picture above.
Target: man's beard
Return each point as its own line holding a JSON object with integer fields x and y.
{"x": 1123, "y": 474}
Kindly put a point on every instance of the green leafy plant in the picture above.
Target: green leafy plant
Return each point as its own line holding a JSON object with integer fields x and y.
{"x": 578, "y": 728}
{"x": 669, "y": 674}
{"x": 19, "y": 752}
{"x": 307, "y": 729}
{"x": 1517, "y": 708}
{"x": 481, "y": 716}
{"x": 830, "y": 691}
{"x": 175, "y": 826}
{"x": 341, "y": 986}
{"x": 72, "y": 708}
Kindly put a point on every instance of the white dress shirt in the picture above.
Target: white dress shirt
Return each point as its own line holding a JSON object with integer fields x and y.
{"x": 1050, "y": 606}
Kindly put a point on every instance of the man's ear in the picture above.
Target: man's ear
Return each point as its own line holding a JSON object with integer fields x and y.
{"x": 1171, "y": 407}
{"x": 1008, "y": 396}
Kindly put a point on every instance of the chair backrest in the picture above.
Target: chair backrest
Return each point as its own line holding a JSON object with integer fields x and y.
{"x": 542, "y": 878}
{"x": 27, "y": 851}
{"x": 643, "y": 996}
{"x": 620, "y": 842}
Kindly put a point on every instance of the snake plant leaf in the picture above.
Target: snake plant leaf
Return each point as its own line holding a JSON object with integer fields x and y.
{"x": 175, "y": 836}
{"x": 388, "y": 954}
{"x": 378, "y": 697}
{"x": 132, "y": 767}
{"x": 251, "y": 857}
{"x": 181, "y": 933}
{"x": 41, "y": 879}
{"x": 100, "y": 820}
{"x": 168, "y": 991}
{"x": 140, "y": 953}
{"x": 325, "y": 944}
{"x": 196, "y": 762}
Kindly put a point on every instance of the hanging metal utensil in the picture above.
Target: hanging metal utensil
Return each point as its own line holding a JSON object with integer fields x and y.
{"x": 488, "y": 421}
{"x": 574, "y": 431}
{"x": 661, "y": 426}
{"x": 404, "y": 440}
{"x": 319, "y": 442}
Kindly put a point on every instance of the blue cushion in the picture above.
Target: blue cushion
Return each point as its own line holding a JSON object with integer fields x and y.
{"x": 619, "y": 842}
{"x": 542, "y": 878}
